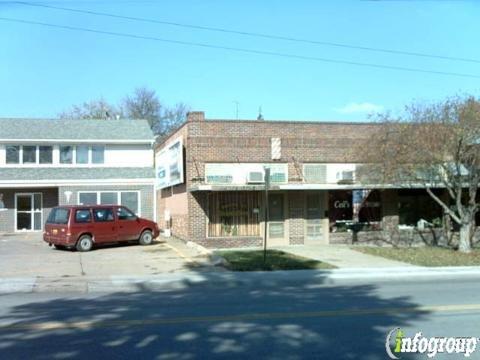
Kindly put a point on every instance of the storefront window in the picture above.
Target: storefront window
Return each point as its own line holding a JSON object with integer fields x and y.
{"x": 340, "y": 210}
{"x": 233, "y": 214}
{"x": 355, "y": 210}
{"x": 416, "y": 205}
{"x": 370, "y": 206}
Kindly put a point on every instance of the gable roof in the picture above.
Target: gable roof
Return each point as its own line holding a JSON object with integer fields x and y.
{"x": 76, "y": 130}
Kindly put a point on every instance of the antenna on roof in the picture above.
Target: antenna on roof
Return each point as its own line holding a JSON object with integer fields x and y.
{"x": 260, "y": 116}
{"x": 236, "y": 108}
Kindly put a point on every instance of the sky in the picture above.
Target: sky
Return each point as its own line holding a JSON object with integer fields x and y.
{"x": 44, "y": 70}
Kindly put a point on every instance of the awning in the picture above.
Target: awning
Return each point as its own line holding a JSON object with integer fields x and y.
{"x": 292, "y": 186}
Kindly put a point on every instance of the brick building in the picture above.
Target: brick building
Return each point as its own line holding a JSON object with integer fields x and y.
{"x": 315, "y": 194}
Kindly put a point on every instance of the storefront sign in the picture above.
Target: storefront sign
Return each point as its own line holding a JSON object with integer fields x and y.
{"x": 169, "y": 165}
{"x": 345, "y": 204}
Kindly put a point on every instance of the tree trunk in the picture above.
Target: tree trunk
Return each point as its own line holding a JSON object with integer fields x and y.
{"x": 465, "y": 236}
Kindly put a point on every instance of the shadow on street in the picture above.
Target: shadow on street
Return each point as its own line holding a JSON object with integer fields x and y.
{"x": 209, "y": 319}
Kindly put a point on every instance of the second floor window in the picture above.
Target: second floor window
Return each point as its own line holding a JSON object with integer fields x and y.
{"x": 66, "y": 154}
{"x": 82, "y": 154}
{"x": 29, "y": 154}
{"x": 45, "y": 154}
{"x": 13, "y": 154}
{"x": 98, "y": 154}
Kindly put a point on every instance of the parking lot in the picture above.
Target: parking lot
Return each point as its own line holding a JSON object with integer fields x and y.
{"x": 26, "y": 255}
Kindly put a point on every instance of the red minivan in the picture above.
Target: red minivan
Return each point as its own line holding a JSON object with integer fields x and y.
{"x": 82, "y": 227}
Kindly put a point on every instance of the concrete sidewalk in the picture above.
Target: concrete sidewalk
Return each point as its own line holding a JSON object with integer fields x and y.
{"x": 342, "y": 256}
{"x": 225, "y": 280}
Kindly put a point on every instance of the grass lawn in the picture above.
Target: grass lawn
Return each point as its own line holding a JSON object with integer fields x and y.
{"x": 252, "y": 260}
{"x": 425, "y": 256}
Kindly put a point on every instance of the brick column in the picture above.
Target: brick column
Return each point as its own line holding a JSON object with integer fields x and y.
{"x": 390, "y": 217}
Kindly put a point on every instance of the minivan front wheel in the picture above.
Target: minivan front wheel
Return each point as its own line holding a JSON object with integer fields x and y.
{"x": 85, "y": 243}
{"x": 146, "y": 238}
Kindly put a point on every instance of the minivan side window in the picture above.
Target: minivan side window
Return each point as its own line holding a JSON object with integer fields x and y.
{"x": 83, "y": 216}
{"x": 102, "y": 215}
{"x": 125, "y": 214}
{"x": 58, "y": 216}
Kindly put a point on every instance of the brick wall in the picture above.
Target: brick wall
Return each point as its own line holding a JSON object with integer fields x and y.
{"x": 249, "y": 141}
{"x": 296, "y": 213}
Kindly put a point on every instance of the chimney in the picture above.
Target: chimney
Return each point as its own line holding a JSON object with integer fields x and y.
{"x": 194, "y": 116}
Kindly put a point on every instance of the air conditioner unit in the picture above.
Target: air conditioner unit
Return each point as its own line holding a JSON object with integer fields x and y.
{"x": 255, "y": 177}
{"x": 345, "y": 176}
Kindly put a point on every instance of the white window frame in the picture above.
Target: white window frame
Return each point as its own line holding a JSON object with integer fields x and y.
{"x": 20, "y": 155}
{"x": 119, "y": 198}
{"x": 32, "y": 211}
{"x": 55, "y": 156}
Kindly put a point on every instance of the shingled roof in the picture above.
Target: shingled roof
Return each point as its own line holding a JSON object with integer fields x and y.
{"x": 75, "y": 130}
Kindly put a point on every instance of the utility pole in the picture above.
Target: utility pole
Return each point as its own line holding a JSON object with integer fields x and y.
{"x": 236, "y": 109}
{"x": 267, "y": 215}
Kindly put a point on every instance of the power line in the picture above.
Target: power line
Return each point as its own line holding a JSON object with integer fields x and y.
{"x": 252, "y": 34}
{"x": 235, "y": 49}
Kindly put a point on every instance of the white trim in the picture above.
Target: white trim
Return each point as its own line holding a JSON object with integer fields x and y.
{"x": 63, "y": 166}
{"x": 119, "y": 199}
{"x": 32, "y": 211}
{"x": 154, "y": 204}
{"x": 77, "y": 141}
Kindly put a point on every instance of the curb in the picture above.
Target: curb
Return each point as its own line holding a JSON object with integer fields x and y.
{"x": 201, "y": 249}
{"x": 179, "y": 281}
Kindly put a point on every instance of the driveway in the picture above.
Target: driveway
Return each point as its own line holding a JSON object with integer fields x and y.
{"x": 26, "y": 255}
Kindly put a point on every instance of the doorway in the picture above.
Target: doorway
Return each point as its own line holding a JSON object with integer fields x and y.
{"x": 313, "y": 216}
{"x": 28, "y": 212}
{"x": 277, "y": 234}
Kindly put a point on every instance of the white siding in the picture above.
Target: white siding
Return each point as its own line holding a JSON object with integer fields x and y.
{"x": 126, "y": 155}
{"x": 129, "y": 155}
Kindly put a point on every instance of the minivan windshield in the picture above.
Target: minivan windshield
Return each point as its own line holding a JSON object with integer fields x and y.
{"x": 58, "y": 216}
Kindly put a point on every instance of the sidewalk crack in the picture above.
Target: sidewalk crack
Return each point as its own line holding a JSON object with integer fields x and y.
{"x": 82, "y": 272}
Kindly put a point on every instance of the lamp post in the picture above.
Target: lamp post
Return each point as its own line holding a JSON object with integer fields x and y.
{"x": 266, "y": 212}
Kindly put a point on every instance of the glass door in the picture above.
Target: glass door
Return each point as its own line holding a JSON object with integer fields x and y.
{"x": 276, "y": 223}
{"x": 313, "y": 218}
{"x": 28, "y": 211}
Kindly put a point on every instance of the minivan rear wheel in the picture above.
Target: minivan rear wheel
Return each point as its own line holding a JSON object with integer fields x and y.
{"x": 146, "y": 238}
{"x": 85, "y": 243}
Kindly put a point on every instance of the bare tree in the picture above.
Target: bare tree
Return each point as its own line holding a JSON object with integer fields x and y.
{"x": 172, "y": 118}
{"x": 434, "y": 146}
{"x": 143, "y": 104}
{"x": 94, "y": 109}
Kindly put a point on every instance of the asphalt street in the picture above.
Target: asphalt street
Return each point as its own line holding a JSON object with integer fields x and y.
{"x": 311, "y": 319}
